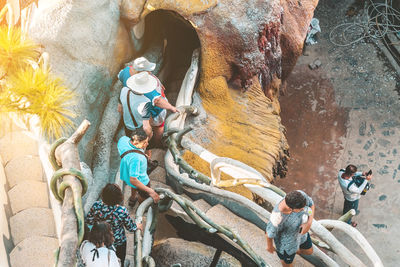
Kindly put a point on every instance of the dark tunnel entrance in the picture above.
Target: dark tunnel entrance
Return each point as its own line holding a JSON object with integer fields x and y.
{"x": 169, "y": 40}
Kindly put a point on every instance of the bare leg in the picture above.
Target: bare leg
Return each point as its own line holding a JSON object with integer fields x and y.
{"x": 147, "y": 128}
{"x": 305, "y": 251}
{"x": 158, "y": 132}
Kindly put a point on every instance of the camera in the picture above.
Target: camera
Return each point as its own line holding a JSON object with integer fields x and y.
{"x": 368, "y": 185}
{"x": 359, "y": 180}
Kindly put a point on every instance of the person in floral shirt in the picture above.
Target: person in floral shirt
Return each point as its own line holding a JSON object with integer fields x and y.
{"x": 110, "y": 210}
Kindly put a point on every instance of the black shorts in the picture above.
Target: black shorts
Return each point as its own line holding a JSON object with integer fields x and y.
{"x": 288, "y": 258}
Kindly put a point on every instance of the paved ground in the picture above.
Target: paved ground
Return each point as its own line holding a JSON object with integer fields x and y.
{"x": 347, "y": 111}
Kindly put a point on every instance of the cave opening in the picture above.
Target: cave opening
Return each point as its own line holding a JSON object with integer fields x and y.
{"x": 169, "y": 39}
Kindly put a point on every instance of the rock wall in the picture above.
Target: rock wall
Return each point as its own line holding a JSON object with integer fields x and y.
{"x": 246, "y": 49}
{"x": 87, "y": 45}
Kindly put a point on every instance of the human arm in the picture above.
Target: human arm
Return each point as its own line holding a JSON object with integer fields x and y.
{"x": 163, "y": 103}
{"x": 271, "y": 230}
{"x": 90, "y": 217}
{"x": 368, "y": 177}
{"x": 128, "y": 222}
{"x": 147, "y": 128}
{"x": 140, "y": 186}
{"x": 270, "y": 245}
{"x": 357, "y": 189}
{"x": 306, "y": 226}
{"x": 119, "y": 108}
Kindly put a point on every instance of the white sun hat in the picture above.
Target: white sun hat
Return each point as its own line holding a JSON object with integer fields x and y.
{"x": 142, "y": 82}
{"x": 142, "y": 64}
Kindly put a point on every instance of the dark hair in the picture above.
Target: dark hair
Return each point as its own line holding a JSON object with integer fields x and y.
{"x": 101, "y": 233}
{"x": 139, "y": 135}
{"x": 295, "y": 200}
{"x": 112, "y": 195}
{"x": 350, "y": 170}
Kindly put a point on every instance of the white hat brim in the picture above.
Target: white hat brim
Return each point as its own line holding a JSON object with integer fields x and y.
{"x": 142, "y": 88}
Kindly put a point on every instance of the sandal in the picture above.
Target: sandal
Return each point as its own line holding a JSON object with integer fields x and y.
{"x": 151, "y": 165}
{"x": 354, "y": 224}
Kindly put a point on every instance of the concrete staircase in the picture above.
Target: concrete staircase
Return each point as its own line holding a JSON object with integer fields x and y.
{"x": 253, "y": 235}
{"x": 30, "y": 218}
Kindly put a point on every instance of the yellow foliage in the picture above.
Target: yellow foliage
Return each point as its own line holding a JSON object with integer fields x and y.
{"x": 15, "y": 50}
{"x": 36, "y": 92}
{"x": 25, "y": 90}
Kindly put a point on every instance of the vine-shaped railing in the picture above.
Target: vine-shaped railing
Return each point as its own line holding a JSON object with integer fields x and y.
{"x": 198, "y": 217}
{"x": 68, "y": 185}
{"x": 243, "y": 174}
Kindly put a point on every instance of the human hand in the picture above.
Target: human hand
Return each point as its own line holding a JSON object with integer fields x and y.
{"x": 175, "y": 110}
{"x": 270, "y": 249}
{"x": 139, "y": 226}
{"x": 305, "y": 227}
{"x": 369, "y": 177}
{"x": 153, "y": 194}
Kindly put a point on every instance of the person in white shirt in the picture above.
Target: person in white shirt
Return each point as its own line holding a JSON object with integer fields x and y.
{"x": 98, "y": 251}
{"x": 351, "y": 193}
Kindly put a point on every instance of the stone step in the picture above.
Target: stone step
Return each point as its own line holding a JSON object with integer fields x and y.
{"x": 253, "y": 235}
{"x": 158, "y": 175}
{"x": 35, "y": 251}
{"x": 173, "y": 251}
{"x": 17, "y": 144}
{"x": 158, "y": 154}
{"x": 23, "y": 168}
{"x": 202, "y": 205}
{"x": 31, "y": 222}
{"x": 28, "y": 194}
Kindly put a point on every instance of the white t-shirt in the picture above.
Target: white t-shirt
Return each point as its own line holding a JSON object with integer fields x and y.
{"x": 98, "y": 257}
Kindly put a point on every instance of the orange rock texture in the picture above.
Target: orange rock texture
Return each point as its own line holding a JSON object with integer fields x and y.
{"x": 247, "y": 47}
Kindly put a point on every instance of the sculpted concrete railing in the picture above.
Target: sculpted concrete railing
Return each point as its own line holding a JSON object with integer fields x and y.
{"x": 243, "y": 174}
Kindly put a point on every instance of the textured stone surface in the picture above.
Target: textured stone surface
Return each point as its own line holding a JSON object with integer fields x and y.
{"x": 16, "y": 144}
{"x": 24, "y": 168}
{"x": 87, "y": 46}
{"x": 202, "y": 205}
{"x": 296, "y": 19}
{"x": 189, "y": 254}
{"x": 239, "y": 77}
{"x": 35, "y": 251}
{"x": 28, "y": 194}
{"x": 31, "y": 222}
{"x": 158, "y": 154}
{"x": 158, "y": 175}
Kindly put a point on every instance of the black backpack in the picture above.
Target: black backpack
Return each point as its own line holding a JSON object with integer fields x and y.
{"x": 358, "y": 180}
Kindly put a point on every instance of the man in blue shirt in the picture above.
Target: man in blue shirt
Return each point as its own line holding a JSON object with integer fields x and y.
{"x": 142, "y": 101}
{"x": 133, "y": 166}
